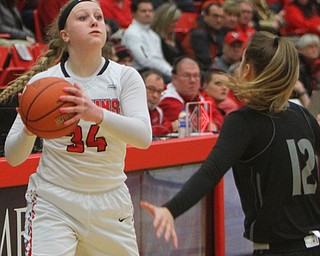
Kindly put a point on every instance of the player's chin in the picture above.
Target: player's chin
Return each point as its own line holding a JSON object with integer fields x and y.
{"x": 97, "y": 40}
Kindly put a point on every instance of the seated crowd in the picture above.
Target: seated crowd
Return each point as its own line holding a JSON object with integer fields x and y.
{"x": 185, "y": 51}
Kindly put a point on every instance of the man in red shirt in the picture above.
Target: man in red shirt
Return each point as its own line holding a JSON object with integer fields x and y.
{"x": 184, "y": 87}
{"x": 155, "y": 85}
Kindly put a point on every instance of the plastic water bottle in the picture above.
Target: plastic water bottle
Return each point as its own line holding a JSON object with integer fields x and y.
{"x": 182, "y": 128}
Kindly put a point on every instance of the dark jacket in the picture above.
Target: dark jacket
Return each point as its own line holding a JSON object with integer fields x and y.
{"x": 11, "y": 23}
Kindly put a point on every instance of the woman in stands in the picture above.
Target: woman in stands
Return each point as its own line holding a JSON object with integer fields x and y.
{"x": 164, "y": 23}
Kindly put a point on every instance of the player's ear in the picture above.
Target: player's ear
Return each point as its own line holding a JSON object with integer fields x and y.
{"x": 248, "y": 72}
{"x": 64, "y": 36}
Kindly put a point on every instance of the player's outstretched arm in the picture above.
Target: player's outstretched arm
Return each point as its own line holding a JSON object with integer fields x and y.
{"x": 163, "y": 222}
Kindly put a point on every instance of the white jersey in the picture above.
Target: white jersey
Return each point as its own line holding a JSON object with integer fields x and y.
{"x": 92, "y": 159}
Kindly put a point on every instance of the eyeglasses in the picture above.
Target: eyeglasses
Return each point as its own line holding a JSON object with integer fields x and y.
{"x": 154, "y": 90}
{"x": 145, "y": 10}
{"x": 190, "y": 76}
{"x": 216, "y": 16}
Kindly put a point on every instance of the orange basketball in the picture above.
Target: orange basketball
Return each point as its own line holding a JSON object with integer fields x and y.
{"x": 40, "y": 108}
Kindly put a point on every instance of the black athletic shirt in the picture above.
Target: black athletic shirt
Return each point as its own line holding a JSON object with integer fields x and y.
{"x": 275, "y": 171}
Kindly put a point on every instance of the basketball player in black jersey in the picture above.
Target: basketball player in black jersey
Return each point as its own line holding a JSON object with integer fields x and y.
{"x": 272, "y": 146}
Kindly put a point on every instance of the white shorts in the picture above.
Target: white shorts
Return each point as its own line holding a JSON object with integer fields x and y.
{"x": 68, "y": 223}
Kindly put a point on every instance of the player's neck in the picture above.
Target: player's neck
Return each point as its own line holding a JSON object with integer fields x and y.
{"x": 84, "y": 66}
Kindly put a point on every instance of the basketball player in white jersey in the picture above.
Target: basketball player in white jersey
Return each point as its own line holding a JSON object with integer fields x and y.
{"x": 78, "y": 203}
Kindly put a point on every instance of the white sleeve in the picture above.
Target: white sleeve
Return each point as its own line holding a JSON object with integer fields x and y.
{"x": 18, "y": 145}
{"x": 134, "y": 126}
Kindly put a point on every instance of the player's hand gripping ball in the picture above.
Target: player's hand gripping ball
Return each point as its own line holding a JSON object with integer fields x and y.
{"x": 40, "y": 108}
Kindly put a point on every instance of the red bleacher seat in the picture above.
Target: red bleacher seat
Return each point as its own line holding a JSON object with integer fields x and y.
{"x": 4, "y": 57}
{"x": 38, "y": 50}
{"x": 9, "y": 74}
{"x": 14, "y": 66}
{"x": 186, "y": 22}
{"x": 23, "y": 59}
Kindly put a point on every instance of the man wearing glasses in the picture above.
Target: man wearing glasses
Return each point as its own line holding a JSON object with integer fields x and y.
{"x": 184, "y": 87}
{"x": 155, "y": 86}
{"x": 204, "y": 42}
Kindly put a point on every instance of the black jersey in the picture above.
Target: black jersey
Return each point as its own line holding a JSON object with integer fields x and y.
{"x": 275, "y": 171}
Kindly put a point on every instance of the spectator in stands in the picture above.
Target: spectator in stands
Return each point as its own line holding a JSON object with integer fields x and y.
{"x": 301, "y": 17}
{"x": 266, "y": 19}
{"x": 118, "y": 10}
{"x": 183, "y": 5}
{"x": 124, "y": 55}
{"x": 48, "y": 11}
{"x": 109, "y": 51}
{"x": 245, "y": 25}
{"x": 143, "y": 42}
{"x": 233, "y": 46}
{"x": 231, "y": 10}
{"x": 233, "y": 103}
{"x": 155, "y": 86}
{"x": 183, "y": 88}
{"x": 11, "y": 23}
{"x": 204, "y": 42}
{"x": 114, "y": 31}
{"x": 309, "y": 53}
{"x": 234, "y": 69}
{"x": 215, "y": 91}
{"x": 277, "y": 5}
{"x": 27, "y": 13}
{"x": 164, "y": 23}
{"x": 112, "y": 27}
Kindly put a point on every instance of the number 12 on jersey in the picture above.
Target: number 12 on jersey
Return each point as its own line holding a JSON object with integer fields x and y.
{"x": 301, "y": 177}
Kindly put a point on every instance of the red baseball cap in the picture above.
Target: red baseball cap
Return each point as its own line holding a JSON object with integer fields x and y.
{"x": 209, "y": 2}
{"x": 233, "y": 36}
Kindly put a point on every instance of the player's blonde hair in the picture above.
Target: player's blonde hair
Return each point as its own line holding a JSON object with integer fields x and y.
{"x": 275, "y": 64}
{"x": 57, "y": 50}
